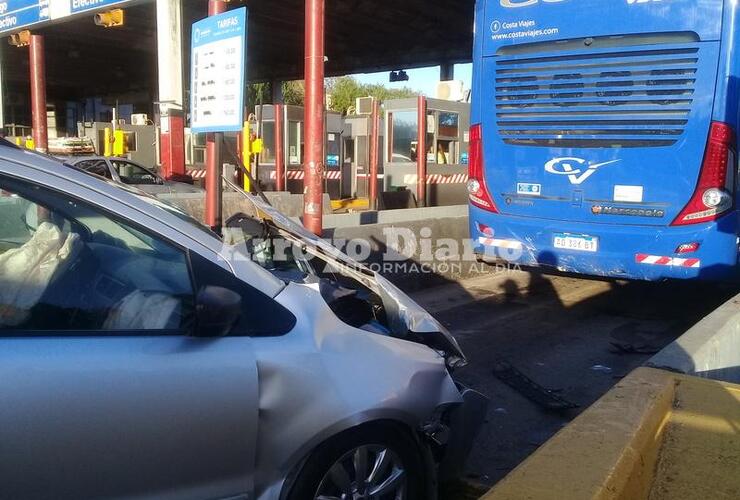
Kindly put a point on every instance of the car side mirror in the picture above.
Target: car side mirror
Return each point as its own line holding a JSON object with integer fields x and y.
{"x": 217, "y": 310}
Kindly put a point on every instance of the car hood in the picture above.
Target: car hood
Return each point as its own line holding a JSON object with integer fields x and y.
{"x": 407, "y": 319}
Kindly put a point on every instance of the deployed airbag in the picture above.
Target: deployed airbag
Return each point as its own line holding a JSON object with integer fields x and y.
{"x": 26, "y": 272}
{"x": 145, "y": 311}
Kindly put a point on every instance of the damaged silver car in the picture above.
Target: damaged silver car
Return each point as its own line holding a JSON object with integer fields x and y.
{"x": 144, "y": 356}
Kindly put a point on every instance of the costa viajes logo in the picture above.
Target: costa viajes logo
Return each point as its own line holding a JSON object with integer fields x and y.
{"x": 577, "y": 170}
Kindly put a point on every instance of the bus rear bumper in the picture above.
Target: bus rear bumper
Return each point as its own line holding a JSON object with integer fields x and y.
{"x": 627, "y": 252}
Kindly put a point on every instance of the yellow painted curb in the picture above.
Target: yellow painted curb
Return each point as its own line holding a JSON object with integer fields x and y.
{"x": 351, "y": 204}
{"x": 656, "y": 435}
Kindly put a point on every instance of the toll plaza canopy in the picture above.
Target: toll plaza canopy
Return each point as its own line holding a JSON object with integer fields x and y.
{"x": 361, "y": 36}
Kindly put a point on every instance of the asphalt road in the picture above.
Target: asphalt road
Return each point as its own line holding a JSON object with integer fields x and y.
{"x": 559, "y": 332}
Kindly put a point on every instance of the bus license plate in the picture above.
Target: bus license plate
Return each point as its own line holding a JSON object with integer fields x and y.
{"x": 576, "y": 242}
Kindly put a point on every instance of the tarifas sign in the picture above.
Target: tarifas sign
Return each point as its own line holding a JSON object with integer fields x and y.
{"x": 218, "y": 62}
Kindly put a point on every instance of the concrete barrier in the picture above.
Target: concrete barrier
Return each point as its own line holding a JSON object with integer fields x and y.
{"x": 711, "y": 349}
{"x": 194, "y": 203}
{"x": 656, "y": 435}
{"x": 414, "y": 248}
{"x": 357, "y": 219}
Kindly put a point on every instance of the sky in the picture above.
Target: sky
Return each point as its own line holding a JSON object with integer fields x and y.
{"x": 424, "y": 79}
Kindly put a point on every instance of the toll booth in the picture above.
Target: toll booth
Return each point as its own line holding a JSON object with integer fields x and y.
{"x": 195, "y": 150}
{"x": 141, "y": 140}
{"x": 357, "y": 130}
{"x": 447, "y": 138}
{"x": 293, "y": 150}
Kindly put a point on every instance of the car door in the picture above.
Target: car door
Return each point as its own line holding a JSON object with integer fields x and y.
{"x": 103, "y": 392}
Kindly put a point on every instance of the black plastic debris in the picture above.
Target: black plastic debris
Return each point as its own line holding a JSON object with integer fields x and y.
{"x": 543, "y": 397}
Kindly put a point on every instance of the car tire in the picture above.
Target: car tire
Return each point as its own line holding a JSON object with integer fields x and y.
{"x": 387, "y": 448}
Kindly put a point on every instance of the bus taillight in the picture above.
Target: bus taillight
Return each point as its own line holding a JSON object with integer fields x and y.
{"x": 714, "y": 193}
{"x": 479, "y": 195}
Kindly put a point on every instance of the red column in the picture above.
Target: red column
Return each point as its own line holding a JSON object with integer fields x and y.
{"x": 216, "y": 7}
{"x": 38, "y": 93}
{"x": 214, "y": 186}
{"x": 314, "y": 117}
{"x": 172, "y": 144}
{"x": 374, "y": 154}
{"x": 421, "y": 156}
{"x": 279, "y": 148}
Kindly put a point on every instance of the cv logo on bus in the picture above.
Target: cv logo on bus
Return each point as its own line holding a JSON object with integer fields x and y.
{"x": 578, "y": 170}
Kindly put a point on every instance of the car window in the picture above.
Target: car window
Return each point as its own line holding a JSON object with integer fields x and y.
{"x": 131, "y": 173}
{"x": 68, "y": 267}
{"x": 97, "y": 167}
{"x": 261, "y": 316}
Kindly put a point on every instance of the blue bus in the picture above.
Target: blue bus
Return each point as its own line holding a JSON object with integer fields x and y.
{"x": 604, "y": 136}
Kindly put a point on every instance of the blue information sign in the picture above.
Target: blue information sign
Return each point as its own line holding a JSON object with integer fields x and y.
{"x": 17, "y": 14}
{"x": 218, "y": 62}
{"x": 77, "y": 6}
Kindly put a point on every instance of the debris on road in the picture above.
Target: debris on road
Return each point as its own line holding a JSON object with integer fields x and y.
{"x": 601, "y": 369}
{"x": 545, "y": 398}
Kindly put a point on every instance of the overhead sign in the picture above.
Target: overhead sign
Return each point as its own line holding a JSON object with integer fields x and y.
{"x": 218, "y": 72}
{"x": 17, "y": 14}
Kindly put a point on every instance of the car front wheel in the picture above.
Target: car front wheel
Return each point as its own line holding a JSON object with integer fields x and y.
{"x": 373, "y": 463}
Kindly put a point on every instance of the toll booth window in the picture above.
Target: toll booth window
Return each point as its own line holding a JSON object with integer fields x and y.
{"x": 131, "y": 141}
{"x": 404, "y": 131}
{"x": 445, "y": 130}
{"x": 446, "y": 152}
{"x": 268, "y": 143}
{"x": 449, "y": 125}
{"x": 294, "y": 143}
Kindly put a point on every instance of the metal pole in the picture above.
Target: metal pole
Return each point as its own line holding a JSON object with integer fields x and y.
{"x": 170, "y": 83}
{"x": 38, "y": 93}
{"x": 421, "y": 153}
{"x": 279, "y": 148}
{"x": 214, "y": 187}
{"x": 216, "y": 7}
{"x": 374, "y": 155}
{"x": 446, "y": 72}
{"x": 314, "y": 117}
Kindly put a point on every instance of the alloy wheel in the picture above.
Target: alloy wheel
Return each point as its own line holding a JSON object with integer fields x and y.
{"x": 369, "y": 472}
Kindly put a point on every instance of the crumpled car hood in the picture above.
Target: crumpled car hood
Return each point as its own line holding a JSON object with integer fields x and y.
{"x": 407, "y": 319}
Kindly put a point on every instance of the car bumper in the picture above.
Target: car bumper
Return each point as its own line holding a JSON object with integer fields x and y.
{"x": 628, "y": 252}
{"x": 465, "y": 421}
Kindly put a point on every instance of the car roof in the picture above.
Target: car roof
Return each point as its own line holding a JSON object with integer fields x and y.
{"x": 51, "y": 172}
{"x": 98, "y": 157}
{"x": 81, "y": 158}
{"x": 46, "y": 166}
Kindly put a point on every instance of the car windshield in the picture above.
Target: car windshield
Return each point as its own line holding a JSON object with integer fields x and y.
{"x": 177, "y": 212}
